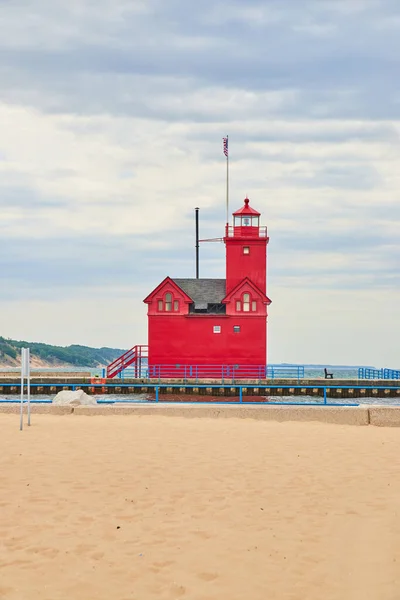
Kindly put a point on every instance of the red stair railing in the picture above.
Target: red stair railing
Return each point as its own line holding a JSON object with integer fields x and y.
{"x": 131, "y": 357}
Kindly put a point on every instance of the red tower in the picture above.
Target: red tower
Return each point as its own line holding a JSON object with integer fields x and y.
{"x": 203, "y": 323}
{"x": 246, "y": 249}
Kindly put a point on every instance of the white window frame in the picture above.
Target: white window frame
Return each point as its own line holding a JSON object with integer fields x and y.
{"x": 168, "y": 302}
{"x": 246, "y": 303}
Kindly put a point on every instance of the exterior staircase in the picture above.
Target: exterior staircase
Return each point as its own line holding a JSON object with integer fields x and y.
{"x": 133, "y": 357}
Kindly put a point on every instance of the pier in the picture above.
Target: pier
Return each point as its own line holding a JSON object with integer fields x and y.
{"x": 331, "y": 391}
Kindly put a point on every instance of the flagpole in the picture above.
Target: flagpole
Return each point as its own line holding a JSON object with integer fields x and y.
{"x": 226, "y": 152}
{"x": 227, "y": 183}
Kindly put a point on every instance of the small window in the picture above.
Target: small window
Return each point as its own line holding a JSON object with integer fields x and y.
{"x": 176, "y": 305}
{"x": 217, "y": 329}
{"x": 246, "y": 249}
{"x": 238, "y": 305}
{"x": 246, "y": 302}
{"x": 236, "y": 329}
{"x": 168, "y": 302}
{"x": 160, "y": 305}
{"x": 254, "y": 306}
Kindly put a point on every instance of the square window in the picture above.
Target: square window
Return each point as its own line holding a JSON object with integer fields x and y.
{"x": 217, "y": 329}
{"x": 246, "y": 249}
{"x": 236, "y": 329}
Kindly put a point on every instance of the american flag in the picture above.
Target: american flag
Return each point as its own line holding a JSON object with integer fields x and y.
{"x": 225, "y": 142}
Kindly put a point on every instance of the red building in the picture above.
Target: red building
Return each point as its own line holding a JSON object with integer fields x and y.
{"x": 207, "y": 323}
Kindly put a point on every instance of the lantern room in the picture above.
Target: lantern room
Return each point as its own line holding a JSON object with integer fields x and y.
{"x": 246, "y": 222}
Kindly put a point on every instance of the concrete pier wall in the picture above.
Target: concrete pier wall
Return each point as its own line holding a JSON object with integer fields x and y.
{"x": 381, "y": 416}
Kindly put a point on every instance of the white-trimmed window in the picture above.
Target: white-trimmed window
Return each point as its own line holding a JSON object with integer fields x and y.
{"x": 246, "y": 249}
{"x": 246, "y": 304}
{"x": 167, "y": 304}
{"x": 236, "y": 329}
{"x": 217, "y": 329}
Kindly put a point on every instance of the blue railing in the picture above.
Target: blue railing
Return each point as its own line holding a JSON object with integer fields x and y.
{"x": 220, "y": 372}
{"x": 282, "y": 372}
{"x": 138, "y": 373}
{"x": 367, "y": 373}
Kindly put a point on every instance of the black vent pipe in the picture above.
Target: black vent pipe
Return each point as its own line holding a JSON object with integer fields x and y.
{"x": 197, "y": 242}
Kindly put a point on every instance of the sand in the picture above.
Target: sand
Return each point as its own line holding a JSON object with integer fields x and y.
{"x": 136, "y": 508}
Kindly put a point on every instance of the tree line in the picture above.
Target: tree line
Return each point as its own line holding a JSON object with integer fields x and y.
{"x": 79, "y": 356}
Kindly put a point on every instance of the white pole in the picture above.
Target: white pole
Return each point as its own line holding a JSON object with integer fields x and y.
{"x": 28, "y": 382}
{"x": 21, "y": 420}
{"x": 227, "y": 182}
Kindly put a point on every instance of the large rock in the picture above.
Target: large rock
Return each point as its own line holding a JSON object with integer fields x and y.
{"x": 74, "y": 398}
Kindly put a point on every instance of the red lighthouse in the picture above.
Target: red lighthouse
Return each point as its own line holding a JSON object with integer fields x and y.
{"x": 207, "y": 325}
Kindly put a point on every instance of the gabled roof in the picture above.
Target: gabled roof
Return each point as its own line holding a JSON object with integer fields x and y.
{"x": 246, "y": 210}
{"x": 164, "y": 282}
{"x": 203, "y": 291}
{"x": 246, "y": 281}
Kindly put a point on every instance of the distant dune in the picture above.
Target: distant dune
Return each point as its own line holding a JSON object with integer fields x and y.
{"x": 47, "y": 355}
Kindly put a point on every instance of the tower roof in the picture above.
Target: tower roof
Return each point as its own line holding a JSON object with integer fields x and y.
{"x": 246, "y": 210}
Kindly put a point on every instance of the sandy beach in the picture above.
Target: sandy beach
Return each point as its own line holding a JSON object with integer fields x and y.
{"x": 143, "y": 507}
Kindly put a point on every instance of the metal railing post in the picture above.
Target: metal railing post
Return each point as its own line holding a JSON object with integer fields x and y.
{"x": 156, "y": 393}
{"x": 240, "y": 394}
{"x": 324, "y": 395}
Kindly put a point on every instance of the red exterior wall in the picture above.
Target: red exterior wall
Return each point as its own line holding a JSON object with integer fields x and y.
{"x": 189, "y": 340}
{"x": 240, "y": 265}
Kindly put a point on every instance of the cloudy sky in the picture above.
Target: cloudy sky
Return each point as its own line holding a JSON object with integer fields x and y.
{"x": 112, "y": 114}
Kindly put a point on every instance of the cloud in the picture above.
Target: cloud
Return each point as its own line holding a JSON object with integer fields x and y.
{"x": 140, "y": 59}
